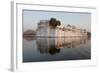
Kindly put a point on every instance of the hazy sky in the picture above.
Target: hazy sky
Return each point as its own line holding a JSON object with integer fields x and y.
{"x": 31, "y": 18}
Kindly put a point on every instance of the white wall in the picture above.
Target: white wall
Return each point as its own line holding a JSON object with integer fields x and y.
{"x": 5, "y": 35}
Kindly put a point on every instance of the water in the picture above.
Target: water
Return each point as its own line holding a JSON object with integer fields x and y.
{"x": 56, "y": 49}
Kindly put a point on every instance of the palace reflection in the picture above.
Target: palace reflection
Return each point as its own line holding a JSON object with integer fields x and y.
{"x": 47, "y": 45}
{"x": 54, "y": 45}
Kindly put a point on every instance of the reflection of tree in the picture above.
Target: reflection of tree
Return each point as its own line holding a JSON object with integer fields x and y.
{"x": 53, "y": 50}
{"x": 47, "y": 45}
{"x": 29, "y": 38}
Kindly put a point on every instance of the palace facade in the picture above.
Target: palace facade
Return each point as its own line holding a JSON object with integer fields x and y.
{"x": 45, "y": 30}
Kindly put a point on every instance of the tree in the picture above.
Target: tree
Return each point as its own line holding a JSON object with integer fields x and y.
{"x": 58, "y": 23}
{"x": 89, "y": 34}
{"x": 53, "y": 22}
{"x": 68, "y": 25}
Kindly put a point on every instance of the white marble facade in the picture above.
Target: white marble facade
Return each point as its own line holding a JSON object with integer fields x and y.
{"x": 44, "y": 30}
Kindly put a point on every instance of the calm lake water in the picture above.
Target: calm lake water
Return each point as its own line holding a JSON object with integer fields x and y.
{"x": 56, "y": 49}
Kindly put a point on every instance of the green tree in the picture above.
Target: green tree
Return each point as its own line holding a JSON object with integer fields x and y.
{"x": 58, "y": 23}
{"x": 53, "y": 22}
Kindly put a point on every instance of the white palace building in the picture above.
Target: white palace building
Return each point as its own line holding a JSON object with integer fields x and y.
{"x": 45, "y": 30}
